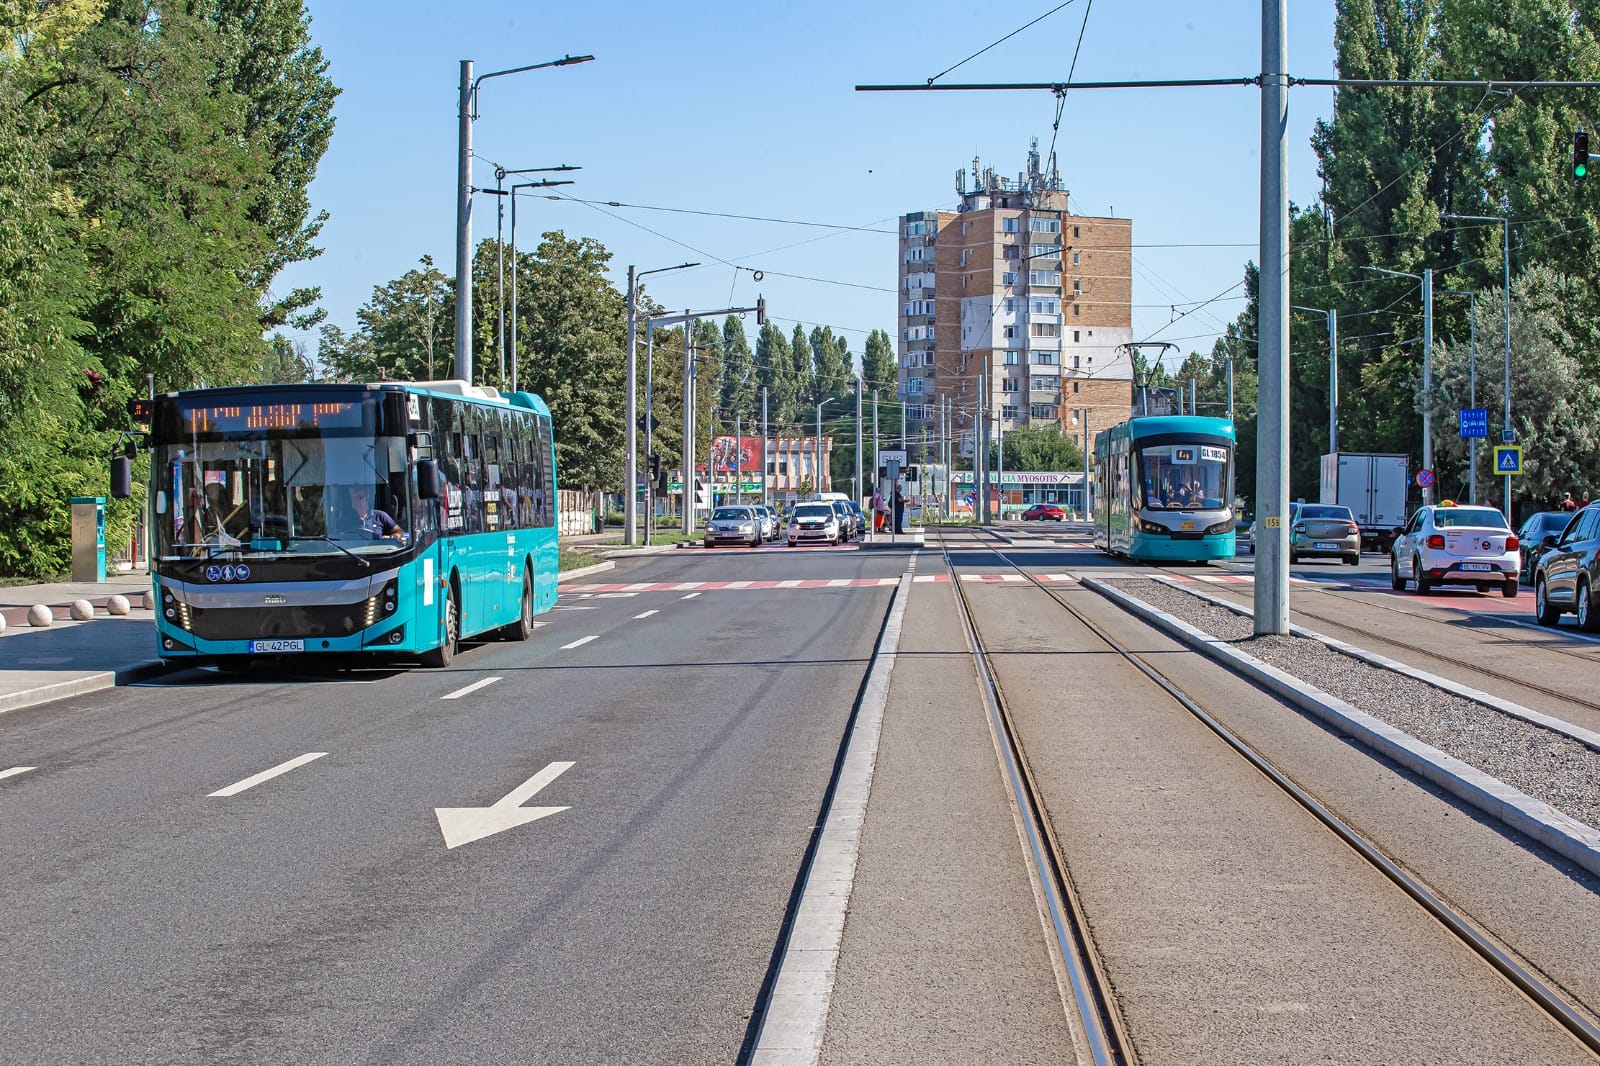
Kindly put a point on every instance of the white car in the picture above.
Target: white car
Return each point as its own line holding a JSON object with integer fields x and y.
{"x": 814, "y": 523}
{"x": 1445, "y": 544}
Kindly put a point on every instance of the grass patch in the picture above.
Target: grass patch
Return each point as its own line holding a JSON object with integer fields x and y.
{"x": 576, "y": 558}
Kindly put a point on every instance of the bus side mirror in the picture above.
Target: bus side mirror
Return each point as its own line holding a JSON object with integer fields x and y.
{"x": 121, "y": 477}
{"x": 429, "y": 485}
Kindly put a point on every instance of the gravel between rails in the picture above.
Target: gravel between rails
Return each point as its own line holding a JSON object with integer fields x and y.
{"x": 1540, "y": 762}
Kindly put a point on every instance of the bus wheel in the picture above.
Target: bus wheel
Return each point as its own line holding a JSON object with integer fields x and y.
{"x": 522, "y": 628}
{"x": 445, "y": 653}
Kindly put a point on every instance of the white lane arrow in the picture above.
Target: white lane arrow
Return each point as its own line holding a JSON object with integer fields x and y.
{"x": 463, "y": 825}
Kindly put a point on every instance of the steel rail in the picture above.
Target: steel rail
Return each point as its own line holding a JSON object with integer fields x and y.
{"x": 1091, "y": 990}
{"x": 1544, "y": 996}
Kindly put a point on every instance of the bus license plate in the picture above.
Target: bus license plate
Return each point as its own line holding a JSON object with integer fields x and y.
{"x": 260, "y": 647}
{"x": 1476, "y": 566}
{"x": 1186, "y": 525}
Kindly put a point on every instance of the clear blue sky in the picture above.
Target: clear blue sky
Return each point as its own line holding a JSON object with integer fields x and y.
{"x": 749, "y": 108}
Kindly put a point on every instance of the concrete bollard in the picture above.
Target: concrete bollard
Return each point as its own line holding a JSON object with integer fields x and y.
{"x": 81, "y": 610}
{"x": 117, "y": 605}
{"x": 2, "y": 625}
{"x": 147, "y": 600}
{"x": 39, "y": 615}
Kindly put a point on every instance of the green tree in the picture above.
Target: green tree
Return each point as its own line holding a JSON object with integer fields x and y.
{"x": 405, "y": 326}
{"x": 878, "y": 364}
{"x": 286, "y": 362}
{"x": 774, "y": 365}
{"x": 1041, "y": 447}
{"x": 739, "y": 378}
{"x": 572, "y": 345}
{"x": 830, "y": 371}
{"x": 801, "y": 369}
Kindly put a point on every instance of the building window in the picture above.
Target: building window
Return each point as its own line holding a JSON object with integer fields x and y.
{"x": 1040, "y": 251}
{"x": 1010, "y": 358}
{"x": 1008, "y": 225}
{"x": 1077, "y": 286}
{"x": 1010, "y": 332}
{"x": 1045, "y": 307}
{"x": 1045, "y": 329}
{"x": 963, "y": 229}
{"x": 1076, "y": 232}
{"x": 1008, "y": 412}
{"x": 1010, "y": 385}
{"x": 1076, "y": 386}
{"x": 1008, "y": 278}
{"x": 1011, "y": 305}
{"x": 1075, "y": 337}
{"x": 1044, "y": 358}
{"x": 916, "y": 229}
{"x": 1044, "y": 225}
{"x": 1042, "y": 411}
{"x": 1044, "y": 384}
{"x": 1011, "y": 252}
{"x": 1075, "y": 362}
{"x": 1074, "y": 258}
{"x": 1044, "y": 277}
{"x": 1074, "y": 310}
{"x": 914, "y": 385}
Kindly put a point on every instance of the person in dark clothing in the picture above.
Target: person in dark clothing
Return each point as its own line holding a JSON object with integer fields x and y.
{"x": 377, "y": 523}
{"x": 899, "y": 509}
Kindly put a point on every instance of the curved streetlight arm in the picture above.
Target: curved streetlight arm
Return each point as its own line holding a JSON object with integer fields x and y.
{"x": 564, "y": 61}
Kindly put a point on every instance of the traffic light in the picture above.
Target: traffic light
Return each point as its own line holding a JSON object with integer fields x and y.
{"x": 655, "y": 466}
{"x": 1580, "y": 154}
{"x": 909, "y": 473}
{"x": 761, "y": 310}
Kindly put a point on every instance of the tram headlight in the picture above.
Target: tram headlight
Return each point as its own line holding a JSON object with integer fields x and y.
{"x": 1147, "y": 526}
{"x": 1219, "y": 529}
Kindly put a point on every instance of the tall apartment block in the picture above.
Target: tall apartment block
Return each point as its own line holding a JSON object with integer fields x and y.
{"x": 1013, "y": 281}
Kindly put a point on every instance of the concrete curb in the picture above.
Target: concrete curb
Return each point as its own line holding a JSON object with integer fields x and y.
{"x": 585, "y": 571}
{"x": 87, "y": 683}
{"x": 1564, "y": 835}
{"x": 652, "y": 549}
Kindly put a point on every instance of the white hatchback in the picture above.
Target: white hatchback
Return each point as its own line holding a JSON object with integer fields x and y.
{"x": 1445, "y": 544}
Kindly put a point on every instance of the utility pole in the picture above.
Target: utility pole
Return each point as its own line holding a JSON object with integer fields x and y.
{"x": 630, "y": 456}
{"x": 1272, "y": 332}
{"x": 765, "y": 444}
{"x": 1427, "y": 381}
{"x": 859, "y": 485}
{"x": 649, "y": 426}
{"x": 875, "y": 437}
{"x": 817, "y": 464}
{"x": 738, "y": 461}
{"x": 983, "y": 410}
{"x": 690, "y": 500}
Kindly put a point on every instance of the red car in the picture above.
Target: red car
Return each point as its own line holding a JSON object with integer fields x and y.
{"x": 1040, "y": 512}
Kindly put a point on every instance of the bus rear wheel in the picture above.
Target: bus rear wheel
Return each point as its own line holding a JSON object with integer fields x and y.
{"x": 445, "y": 653}
{"x": 522, "y": 628}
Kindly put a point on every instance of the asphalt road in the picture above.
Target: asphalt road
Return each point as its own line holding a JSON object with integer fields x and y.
{"x": 318, "y": 915}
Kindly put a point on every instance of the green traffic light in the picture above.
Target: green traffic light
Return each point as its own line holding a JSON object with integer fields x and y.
{"x": 1580, "y": 171}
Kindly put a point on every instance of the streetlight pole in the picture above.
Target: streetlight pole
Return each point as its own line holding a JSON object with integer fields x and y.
{"x": 630, "y": 474}
{"x": 1507, "y": 435}
{"x": 859, "y": 485}
{"x": 1272, "y": 329}
{"x": 467, "y": 111}
{"x": 1426, "y": 277}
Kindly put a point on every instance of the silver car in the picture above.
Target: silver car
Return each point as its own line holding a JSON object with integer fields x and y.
{"x": 1445, "y": 544}
{"x": 733, "y": 525}
{"x": 1323, "y": 530}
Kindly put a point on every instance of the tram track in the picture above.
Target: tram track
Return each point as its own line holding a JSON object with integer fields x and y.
{"x": 1546, "y": 998}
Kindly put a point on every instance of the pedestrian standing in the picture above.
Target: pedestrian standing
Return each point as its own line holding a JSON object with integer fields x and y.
{"x": 880, "y": 510}
{"x": 899, "y": 509}
{"x": 1568, "y": 503}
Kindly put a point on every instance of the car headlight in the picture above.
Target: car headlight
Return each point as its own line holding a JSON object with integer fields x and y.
{"x": 745, "y": 528}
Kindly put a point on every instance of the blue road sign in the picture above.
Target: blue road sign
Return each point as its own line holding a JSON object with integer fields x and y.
{"x": 1508, "y": 458}
{"x": 1508, "y": 436}
{"x": 1475, "y": 422}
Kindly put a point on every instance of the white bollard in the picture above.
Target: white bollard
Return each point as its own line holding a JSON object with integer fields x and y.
{"x": 117, "y": 605}
{"x": 81, "y": 610}
{"x": 39, "y": 615}
{"x": 148, "y": 601}
{"x": 2, "y": 624}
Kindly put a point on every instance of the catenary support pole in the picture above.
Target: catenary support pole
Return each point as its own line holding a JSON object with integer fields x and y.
{"x": 1272, "y": 420}
{"x": 1472, "y": 397}
{"x": 1507, "y": 247}
{"x": 689, "y": 428}
{"x": 1427, "y": 380}
{"x": 464, "y": 230}
{"x": 766, "y": 460}
{"x": 630, "y": 458}
{"x": 500, "y": 272}
{"x": 1333, "y": 381}
{"x": 649, "y": 434}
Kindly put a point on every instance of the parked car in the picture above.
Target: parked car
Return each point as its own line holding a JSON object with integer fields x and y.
{"x": 768, "y": 518}
{"x": 813, "y": 523}
{"x": 1044, "y": 512}
{"x": 733, "y": 525}
{"x": 1530, "y": 538}
{"x": 1244, "y": 536}
{"x": 1447, "y": 544}
{"x": 847, "y": 519}
{"x": 1568, "y": 572}
{"x": 1323, "y": 530}
{"x": 858, "y": 516}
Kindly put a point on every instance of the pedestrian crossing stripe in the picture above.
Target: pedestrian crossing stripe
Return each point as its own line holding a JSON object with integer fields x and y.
{"x": 595, "y": 588}
{"x": 1508, "y": 458}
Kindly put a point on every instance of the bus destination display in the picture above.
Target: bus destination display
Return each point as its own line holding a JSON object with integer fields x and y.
{"x": 248, "y": 418}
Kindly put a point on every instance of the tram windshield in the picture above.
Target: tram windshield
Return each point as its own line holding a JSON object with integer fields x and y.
{"x": 1184, "y": 477}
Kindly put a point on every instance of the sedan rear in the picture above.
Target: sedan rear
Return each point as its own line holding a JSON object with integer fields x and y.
{"x": 1318, "y": 530}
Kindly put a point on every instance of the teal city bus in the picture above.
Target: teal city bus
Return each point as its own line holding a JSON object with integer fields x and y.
{"x": 392, "y": 519}
{"x": 1165, "y": 489}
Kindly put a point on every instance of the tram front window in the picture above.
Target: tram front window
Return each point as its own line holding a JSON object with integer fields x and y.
{"x": 1184, "y": 477}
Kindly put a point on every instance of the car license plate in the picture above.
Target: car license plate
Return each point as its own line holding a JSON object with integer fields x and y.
{"x": 1476, "y": 566}
{"x": 258, "y": 647}
{"x": 1325, "y": 546}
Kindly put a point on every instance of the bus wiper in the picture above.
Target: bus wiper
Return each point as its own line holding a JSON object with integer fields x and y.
{"x": 336, "y": 544}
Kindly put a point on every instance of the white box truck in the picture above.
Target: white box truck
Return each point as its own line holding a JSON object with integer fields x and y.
{"x": 1374, "y": 487}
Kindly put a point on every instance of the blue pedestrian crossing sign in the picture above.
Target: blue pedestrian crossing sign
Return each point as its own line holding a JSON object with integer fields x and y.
{"x": 1474, "y": 421}
{"x": 1508, "y": 458}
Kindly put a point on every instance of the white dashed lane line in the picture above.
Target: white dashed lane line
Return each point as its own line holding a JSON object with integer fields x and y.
{"x": 646, "y": 614}
{"x": 15, "y": 770}
{"x": 475, "y": 686}
{"x": 580, "y": 642}
{"x": 691, "y": 596}
{"x": 267, "y": 775}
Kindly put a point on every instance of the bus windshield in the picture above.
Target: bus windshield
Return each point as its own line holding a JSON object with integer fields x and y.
{"x": 1184, "y": 477}
{"x": 301, "y": 493}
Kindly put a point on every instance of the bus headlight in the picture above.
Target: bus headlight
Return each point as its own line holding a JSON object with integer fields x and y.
{"x": 1219, "y": 529}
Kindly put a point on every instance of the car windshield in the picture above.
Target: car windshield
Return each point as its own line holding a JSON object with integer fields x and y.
{"x": 1326, "y": 511}
{"x": 813, "y": 510}
{"x": 731, "y": 514}
{"x": 1468, "y": 518}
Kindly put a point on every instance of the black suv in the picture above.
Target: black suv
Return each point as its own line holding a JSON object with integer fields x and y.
{"x": 1568, "y": 573}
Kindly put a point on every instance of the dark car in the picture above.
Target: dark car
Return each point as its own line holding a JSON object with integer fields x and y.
{"x": 1043, "y": 512}
{"x": 1567, "y": 574}
{"x": 847, "y": 520}
{"x": 1530, "y": 538}
{"x": 860, "y": 518}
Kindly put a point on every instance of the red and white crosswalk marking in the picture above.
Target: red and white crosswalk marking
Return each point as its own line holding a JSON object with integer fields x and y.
{"x": 593, "y": 589}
